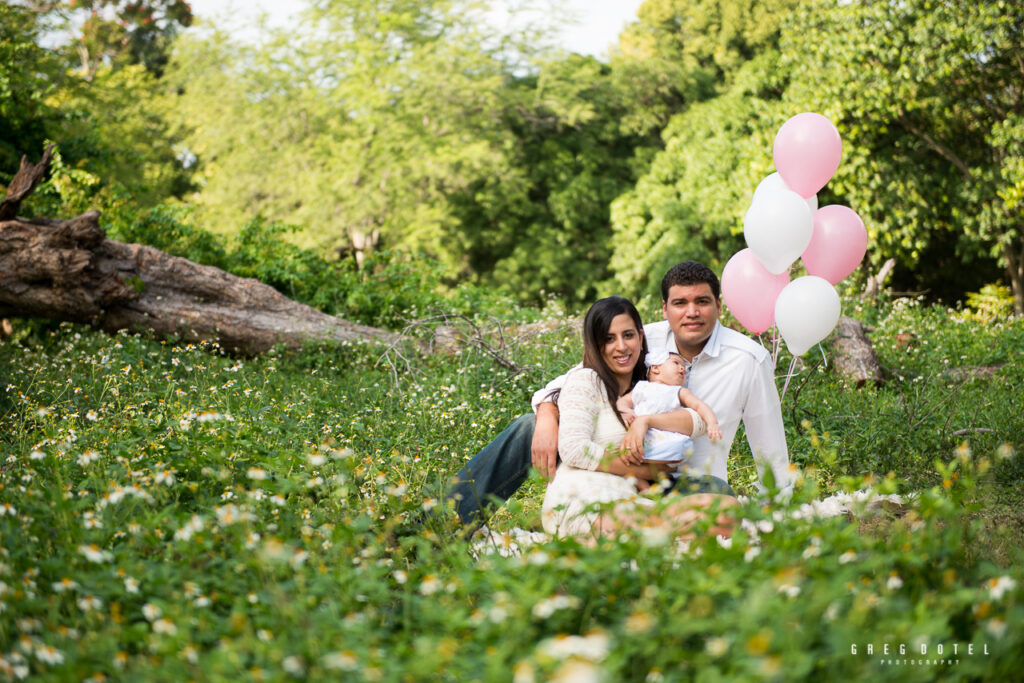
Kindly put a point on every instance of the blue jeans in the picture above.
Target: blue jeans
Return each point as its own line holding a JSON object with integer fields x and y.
{"x": 688, "y": 486}
{"x": 494, "y": 473}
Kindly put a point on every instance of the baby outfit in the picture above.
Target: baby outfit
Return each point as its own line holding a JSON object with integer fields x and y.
{"x": 651, "y": 398}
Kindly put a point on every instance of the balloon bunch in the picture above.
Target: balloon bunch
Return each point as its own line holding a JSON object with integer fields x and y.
{"x": 783, "y": 224}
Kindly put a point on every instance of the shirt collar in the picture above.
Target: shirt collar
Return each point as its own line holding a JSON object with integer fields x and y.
{"x": 714, "y": 344}
{"x": 712, "y": 348}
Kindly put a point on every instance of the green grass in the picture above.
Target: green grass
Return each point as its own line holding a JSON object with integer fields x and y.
{"x": 167, "y": 513}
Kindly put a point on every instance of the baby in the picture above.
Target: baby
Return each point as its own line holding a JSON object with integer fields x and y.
{"x": 664, "y": 393}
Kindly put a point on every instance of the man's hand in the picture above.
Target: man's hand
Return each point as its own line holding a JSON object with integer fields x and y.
{"x": 633, "y": 443}
{"x": 544, "y": 448}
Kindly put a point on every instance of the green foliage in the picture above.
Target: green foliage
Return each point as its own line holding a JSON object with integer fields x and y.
{"x": 444, "y": 141}
{"x": 386, "y": 291}
{"x": 994, "y": 302}
{"x": 931, "y": 138}
{"x": 169, "y": 513}
{"x": 931, "y": 133}
{"x": 364, "y": 117}
{"x": 717, "y": 144}
{"x": 681, "y": 52}
{"x": 691, "y": 202}
{"x": 114, "y": 126}
{"x": 545, "y": 228}
{"x": 948, "y": 381}
{"x": 107, "y": 119}
{"x": 114, "y": 32}
{"x": 25, "y": 68}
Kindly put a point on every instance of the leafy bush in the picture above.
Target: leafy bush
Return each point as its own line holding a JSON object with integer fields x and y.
{"x": 389, "y": 290}
{"x": 993, "y": 302}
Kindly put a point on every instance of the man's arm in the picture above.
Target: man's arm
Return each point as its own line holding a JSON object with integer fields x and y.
{"x": 544, "y": 449}
{"x": 690, "y": 400}
{"x": 766, "y": 433}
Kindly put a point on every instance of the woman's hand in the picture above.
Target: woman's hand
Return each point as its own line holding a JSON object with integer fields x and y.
{"x": 633, "y": 443}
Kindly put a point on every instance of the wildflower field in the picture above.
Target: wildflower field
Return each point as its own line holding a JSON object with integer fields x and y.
{"x": 168, "y": 512}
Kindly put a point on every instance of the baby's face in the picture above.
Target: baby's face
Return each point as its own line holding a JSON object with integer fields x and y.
{"x": 672, "y": 372}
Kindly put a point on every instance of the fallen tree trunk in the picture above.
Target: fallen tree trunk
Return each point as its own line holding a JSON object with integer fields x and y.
{"x": 69, "y": 271}
{"x": 855, "y": 357}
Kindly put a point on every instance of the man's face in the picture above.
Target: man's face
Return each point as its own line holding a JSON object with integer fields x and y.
{"x": 691, "y": 312}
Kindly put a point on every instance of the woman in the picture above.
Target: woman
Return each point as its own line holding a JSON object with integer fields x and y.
{"x": 600, "y": 463}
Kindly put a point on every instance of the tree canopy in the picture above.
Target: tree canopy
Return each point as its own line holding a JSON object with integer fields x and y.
{"x": 927, "y": 99}
{"x": 421, "y": 126}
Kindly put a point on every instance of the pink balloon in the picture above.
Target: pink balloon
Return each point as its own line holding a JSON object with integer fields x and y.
{"x": 837, "y": 245}
{"x": 749, "y": 290}
{"x": 807, "y": 152}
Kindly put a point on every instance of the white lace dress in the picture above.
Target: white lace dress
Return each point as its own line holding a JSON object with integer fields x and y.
{"x": 587, "y": 425}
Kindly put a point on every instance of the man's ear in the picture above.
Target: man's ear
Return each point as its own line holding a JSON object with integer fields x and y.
{"x": 664, "y": 310}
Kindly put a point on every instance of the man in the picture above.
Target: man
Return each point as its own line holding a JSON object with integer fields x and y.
{"x": 730, "y": 372}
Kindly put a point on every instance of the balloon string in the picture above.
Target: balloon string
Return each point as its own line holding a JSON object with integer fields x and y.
{"x": 776, "y": 344}
{"x": 789, "y": 376}
{"x": 823, "y": 358}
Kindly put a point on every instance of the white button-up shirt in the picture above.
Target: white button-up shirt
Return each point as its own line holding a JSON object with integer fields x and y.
{"x": 734, "y": 375}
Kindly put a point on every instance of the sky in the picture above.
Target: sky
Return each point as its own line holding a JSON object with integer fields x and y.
{"x": 600, "y": 21}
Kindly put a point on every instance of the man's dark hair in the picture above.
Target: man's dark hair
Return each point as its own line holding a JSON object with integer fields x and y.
{"x": 689, "y": 273}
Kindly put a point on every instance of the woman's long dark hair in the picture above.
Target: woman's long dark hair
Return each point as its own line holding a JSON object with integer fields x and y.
{"x": 595, "y": 333}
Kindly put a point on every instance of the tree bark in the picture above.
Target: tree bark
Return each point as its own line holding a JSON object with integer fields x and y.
{"x": 874, "y": 284}
{"x": 69, "y": 271}
{"x": 1014, "y": 256}
{"x": 855, "y": 357}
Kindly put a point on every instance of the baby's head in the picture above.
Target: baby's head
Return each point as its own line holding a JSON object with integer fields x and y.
{"x": 665, "y": 367}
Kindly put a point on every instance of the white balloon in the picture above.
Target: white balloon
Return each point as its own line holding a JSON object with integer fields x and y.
{"x": 778, "y": 227}
{"x": 774, "y": 182}
{"x": 805, "y": 312}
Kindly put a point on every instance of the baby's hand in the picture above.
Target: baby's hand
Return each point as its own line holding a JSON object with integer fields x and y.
{"x": 714, "y": 432}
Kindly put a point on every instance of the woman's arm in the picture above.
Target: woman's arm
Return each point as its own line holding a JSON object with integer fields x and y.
{"x": 679, "y": 421}
{"x": 578, "y": 405}
{"x": 690, "y": 400}
{"x": 648, "y": 471}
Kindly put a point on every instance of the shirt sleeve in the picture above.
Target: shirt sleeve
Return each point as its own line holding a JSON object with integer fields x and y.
{"x": 766, "y": 434}
{"x": 578, "y": 406}
{"x": 544, "y": 395}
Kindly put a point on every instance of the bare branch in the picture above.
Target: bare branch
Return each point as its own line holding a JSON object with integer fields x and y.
{"x": 24, "y": 181}
{"x": 944, "y": 151}
{"x": 969, "y": 430}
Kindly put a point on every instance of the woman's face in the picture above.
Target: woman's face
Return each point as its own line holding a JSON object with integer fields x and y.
{"x": 622, "y": 344}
